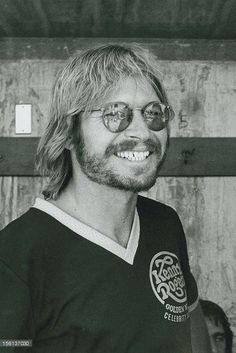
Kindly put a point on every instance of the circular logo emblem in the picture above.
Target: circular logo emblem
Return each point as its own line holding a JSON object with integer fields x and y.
{"x": 168, "y": 285}
{"x": 166, "y": 278}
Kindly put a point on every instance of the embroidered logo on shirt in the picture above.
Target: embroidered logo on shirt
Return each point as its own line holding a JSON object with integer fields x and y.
{"x": 168, "y": 285}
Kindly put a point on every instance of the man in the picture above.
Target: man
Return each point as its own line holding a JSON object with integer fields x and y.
{"x": 93, "y": 267}
{"x": 221, "y": 336}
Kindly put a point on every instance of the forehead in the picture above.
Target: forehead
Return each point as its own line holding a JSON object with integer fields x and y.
{"x": 134, "y": 91}
{"x": 213, "y": 326}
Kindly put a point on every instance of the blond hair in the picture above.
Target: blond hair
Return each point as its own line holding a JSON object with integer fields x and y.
{"x": 87, "y": 78}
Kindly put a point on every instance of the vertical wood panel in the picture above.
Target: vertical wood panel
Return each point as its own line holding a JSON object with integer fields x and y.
{"x": 17, "y": 194}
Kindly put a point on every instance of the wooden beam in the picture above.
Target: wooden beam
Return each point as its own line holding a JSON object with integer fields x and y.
{"x": 200, "y": 157}
{"x": 165, "y": 49}
{"x": 90, "y": 18}
{"x": 185, "y": 157}
{"x": 17, "y": 155}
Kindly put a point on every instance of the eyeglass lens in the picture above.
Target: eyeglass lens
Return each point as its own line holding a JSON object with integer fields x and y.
{"x": 118, "y": 116}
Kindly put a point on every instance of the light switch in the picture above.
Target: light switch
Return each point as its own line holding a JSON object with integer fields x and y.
{"x": 23, "y": 119}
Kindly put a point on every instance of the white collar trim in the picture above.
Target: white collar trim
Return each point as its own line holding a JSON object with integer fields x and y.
{"x": 89, "y": 233}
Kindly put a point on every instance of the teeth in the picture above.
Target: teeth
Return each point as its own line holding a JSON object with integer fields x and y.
{"x": 133, "y": 155}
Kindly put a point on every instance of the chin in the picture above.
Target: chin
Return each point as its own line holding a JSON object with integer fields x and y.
{"x": 125, "y": 183}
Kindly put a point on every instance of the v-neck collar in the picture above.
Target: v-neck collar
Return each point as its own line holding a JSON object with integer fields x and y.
{"x": 126, "y": 253}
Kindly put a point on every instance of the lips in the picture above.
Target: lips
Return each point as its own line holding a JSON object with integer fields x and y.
{"x": 133, "y": 155}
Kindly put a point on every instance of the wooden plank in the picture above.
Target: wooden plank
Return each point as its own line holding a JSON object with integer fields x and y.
{"x": 186, "y": 157}
{"x": 153, "y": 18}
{"x": 202, "y": 94}
{"x": 17, "y": 156}
{"x": 201, "y": 157}
{"x": 165, "y": 49}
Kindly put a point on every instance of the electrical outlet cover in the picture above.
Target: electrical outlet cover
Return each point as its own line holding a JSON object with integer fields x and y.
{"x": 23, "y": 119}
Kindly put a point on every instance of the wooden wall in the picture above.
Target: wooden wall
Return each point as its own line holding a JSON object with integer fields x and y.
{"x": 126, "y": 18}
{"x": 203, "y": 94}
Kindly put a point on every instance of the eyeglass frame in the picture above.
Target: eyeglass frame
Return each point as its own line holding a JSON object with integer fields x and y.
{"x": 162, "y": 105}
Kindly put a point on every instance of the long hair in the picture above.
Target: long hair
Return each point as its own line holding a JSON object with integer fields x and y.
{"x": 214, "y": 312}
{"x": 85, "y": 81}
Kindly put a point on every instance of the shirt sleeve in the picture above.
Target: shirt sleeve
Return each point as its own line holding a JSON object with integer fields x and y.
{"x": 16, "y": 321}
{"x": 191, "y": 285}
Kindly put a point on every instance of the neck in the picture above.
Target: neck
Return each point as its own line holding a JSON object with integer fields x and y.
{"x": 106, "y": 209}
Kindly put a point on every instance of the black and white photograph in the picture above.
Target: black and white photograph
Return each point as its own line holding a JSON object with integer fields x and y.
{"x": 117, "y": 176}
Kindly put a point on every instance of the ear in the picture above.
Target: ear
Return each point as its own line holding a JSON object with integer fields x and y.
{"x": 69, "y": 143}
{"x": 70, "y": 125}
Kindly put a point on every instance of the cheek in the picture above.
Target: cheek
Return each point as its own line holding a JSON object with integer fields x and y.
{"x": 96, "y": 137}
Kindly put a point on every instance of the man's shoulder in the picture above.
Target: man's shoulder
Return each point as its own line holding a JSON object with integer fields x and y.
{"x": 29, "y": 230}
{"x": 27, "y": 241}
{"x": 153, "y": 207}
{"x": 29, "y": 222}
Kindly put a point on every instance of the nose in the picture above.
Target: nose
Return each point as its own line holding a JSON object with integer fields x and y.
{"x": 213, "y": 346}
{"x": 138, "y": 128}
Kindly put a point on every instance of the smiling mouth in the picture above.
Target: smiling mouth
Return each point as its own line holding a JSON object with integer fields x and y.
{"x": 134, "y": 155}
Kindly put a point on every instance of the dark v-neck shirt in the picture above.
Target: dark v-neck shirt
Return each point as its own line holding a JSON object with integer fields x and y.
{"x": 70, "y": 294}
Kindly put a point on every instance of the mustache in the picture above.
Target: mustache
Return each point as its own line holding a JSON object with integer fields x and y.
{"x": 129, "y": 145}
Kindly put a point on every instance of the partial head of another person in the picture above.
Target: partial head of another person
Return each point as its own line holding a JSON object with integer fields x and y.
{"x": 108, "y": 109}
{"x": 220, "y": 334}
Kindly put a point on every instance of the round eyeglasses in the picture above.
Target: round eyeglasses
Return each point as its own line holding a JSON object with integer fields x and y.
{"x": 118, "y": 116}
